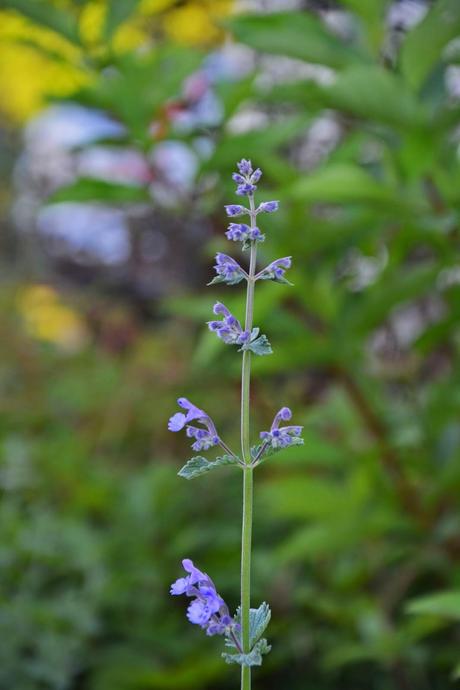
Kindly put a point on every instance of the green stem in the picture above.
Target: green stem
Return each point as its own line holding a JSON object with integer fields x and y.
{"x": 246, "y": 537}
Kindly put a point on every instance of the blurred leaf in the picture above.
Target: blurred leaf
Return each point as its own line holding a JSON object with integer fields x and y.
{"x": 423, "y": 45}
{"x": 91, "y": 189}
{"x": 47, "y": 15}
{"x": 118, "y": 11}
{"x": 296, "y": 34}
{"x": 443, "y": 604}
{"x": 338, "y": 183}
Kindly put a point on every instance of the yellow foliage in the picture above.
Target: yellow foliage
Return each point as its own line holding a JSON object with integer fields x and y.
{"x": 196, "y": 22}
{"x": 35, "y": 62}
{"x": 29, "y": 73}
{"x": 47, "y": 318}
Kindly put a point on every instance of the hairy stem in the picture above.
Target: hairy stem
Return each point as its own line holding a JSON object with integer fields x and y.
{"x": 246, "y": 536}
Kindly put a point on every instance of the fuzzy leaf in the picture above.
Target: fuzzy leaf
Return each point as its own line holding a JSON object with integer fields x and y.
{"x": 221, "y": 279}
{"x": 275, "y": 279}
{"x": 254, "y": 658}
{"x": 295, "y": 441}
{"x": 258, "y": 621}
{"x": 198, "y": 465}
{"x": 260, "y": 346}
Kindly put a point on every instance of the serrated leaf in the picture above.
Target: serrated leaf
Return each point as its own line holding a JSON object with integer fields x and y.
{"x": 254, "y": 658}
{"x": 258, "y": 621}
{"x": 198, "y": 465}
{"x": 260, "y": 346}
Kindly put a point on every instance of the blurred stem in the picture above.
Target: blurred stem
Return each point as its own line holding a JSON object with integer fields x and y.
{"x": 246, "y": 536}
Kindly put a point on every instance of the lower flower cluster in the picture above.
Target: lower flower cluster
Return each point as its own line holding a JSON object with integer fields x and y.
{"x": 207, "y": 609}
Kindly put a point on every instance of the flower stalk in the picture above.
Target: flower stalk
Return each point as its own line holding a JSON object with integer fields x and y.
{"x": 243, "y": 632}
{"x": 248, "y": 479}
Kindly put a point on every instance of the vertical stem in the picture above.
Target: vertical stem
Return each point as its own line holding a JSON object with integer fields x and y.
{"x": 246, "y": 536}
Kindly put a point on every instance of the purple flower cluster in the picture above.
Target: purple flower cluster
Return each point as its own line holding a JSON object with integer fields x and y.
{"x": 228, "y": 270}
{"x": 246, "y": 178}
{"x": 280, "y": 437}
{"x": 229, "y": 329}
{"x": 276, "y": 270}
{"x": 204, "y": 437}
{"x": 208, "y": 609}
{"x": 240, "y": 232}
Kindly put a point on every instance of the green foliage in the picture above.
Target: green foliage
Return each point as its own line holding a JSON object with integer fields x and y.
{"x": 198, "y": 465}
{"x": 357, "y": 528}
{"x": 253, "y": 658}
{"x": 91, "y": 189}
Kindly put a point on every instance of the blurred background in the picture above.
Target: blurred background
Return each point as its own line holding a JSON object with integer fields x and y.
{"x": 120, "y": 124}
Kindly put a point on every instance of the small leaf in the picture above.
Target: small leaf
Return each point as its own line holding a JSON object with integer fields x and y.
{"x": 260, "y": 346}
{"x": 258, "y": 621}
{"x": 254, "y": 658}
{"x": 276, "y": 279}
{"x": 198, "y": 465}
{"x": 269, "y": 450}
{"x": 221, "y": 279}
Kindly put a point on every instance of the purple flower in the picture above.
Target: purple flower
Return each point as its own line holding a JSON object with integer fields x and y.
{"x": 256, "y": 175}
{"x": 240, "y": 232}
{"x": 244, "y": 166}
{"x": 276, "y": 270}
{"x": 229, "y": 329}
{"x": 281, "y": 437}
{"x": 245, "y": 189}
{"x": 268, "y": 207}
{"x": 228, "y": 270}
{"x": 235, "y": 210}
{"x": 204, "y": 438}
{"x": 207, "y": 609}
{"x": 179, "y": 420}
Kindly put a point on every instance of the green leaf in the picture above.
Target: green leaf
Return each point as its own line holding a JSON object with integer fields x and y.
{"x": 90, "y": 189}
{"x": 118, "y": 11}
{"x": 220, "y": 279}
{"x": 338, "y": 183}
{"x": 198, "y": 465}
{"x": 296, "y": 34}
{"x": 254, "y": 658}
{"x": 444, "y": 604}
{"x": 423, "y": 46}
{"x": 258, "y": 621}
{"x": 48, "y": 15}
{"x": 295, "y": 441}
{"x": 260, "y": 346}
{"x": 389, "y": 101}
